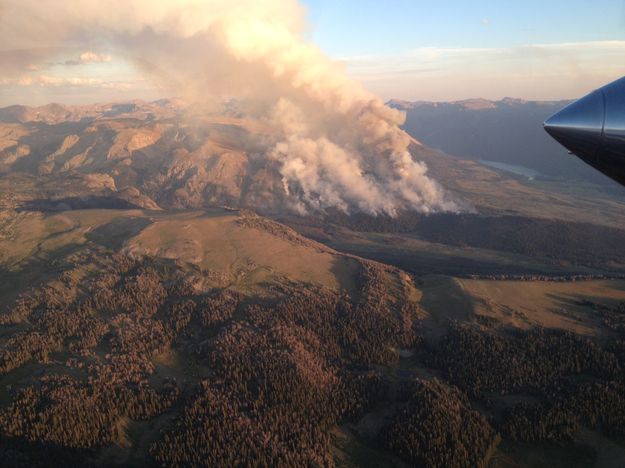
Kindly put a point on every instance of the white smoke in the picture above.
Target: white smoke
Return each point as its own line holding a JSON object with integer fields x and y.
{"x": 338, "y": 145}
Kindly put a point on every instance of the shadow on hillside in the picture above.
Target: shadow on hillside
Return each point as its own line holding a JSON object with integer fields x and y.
{"x": 115, "y": 233}
{"x": 78, "y": 203}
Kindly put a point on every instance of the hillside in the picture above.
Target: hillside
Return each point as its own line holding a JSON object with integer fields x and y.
{"x": 474, "y": 244}
{"x": 140, "y": 148}
{"x": 142, "y": 310}
{"x": 133, "y": 336}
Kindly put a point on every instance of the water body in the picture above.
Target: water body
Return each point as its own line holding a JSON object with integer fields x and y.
{"x": 531, "y": 174}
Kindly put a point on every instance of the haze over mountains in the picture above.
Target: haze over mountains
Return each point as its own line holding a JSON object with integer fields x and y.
{"x": 184, "y": 160}
{"x": 507, "y": 131}
{"x": 232, "y": 154}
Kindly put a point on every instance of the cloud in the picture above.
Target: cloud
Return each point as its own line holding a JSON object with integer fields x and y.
{"x": 532, "y": 71}
{"x": 335, "y": 143}
{"x": 18, "y": 61}
{"x": 88, "y": 57}
{"x": 92, "y": 57}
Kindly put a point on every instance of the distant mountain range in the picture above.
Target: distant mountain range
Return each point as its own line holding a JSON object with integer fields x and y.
{"x": 507, "y": 131}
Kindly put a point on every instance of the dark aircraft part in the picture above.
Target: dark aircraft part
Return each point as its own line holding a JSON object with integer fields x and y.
{"x": 593, "y": 128}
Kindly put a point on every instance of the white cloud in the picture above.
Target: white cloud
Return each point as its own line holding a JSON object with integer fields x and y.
{"x": 92, "y": 57}
{"x": 88, "y": 57}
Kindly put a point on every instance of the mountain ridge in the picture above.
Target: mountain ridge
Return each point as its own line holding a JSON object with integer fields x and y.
{"x": 475, "y": 103}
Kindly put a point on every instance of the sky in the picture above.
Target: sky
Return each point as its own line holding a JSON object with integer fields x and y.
{"x": 458, "y": 49}
{"x": 401, "y": 49}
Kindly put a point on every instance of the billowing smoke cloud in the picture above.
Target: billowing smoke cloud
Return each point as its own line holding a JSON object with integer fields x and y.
{"x": 337, "y": 145}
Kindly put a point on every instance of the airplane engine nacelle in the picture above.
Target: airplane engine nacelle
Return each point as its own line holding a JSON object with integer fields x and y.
{"x": 593, "y": 128}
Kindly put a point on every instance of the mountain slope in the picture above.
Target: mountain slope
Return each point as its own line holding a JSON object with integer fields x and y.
{"x": 121, "y": 322}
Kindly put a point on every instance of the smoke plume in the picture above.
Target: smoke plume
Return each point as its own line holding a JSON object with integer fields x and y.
{"x": 337, "y": 145}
